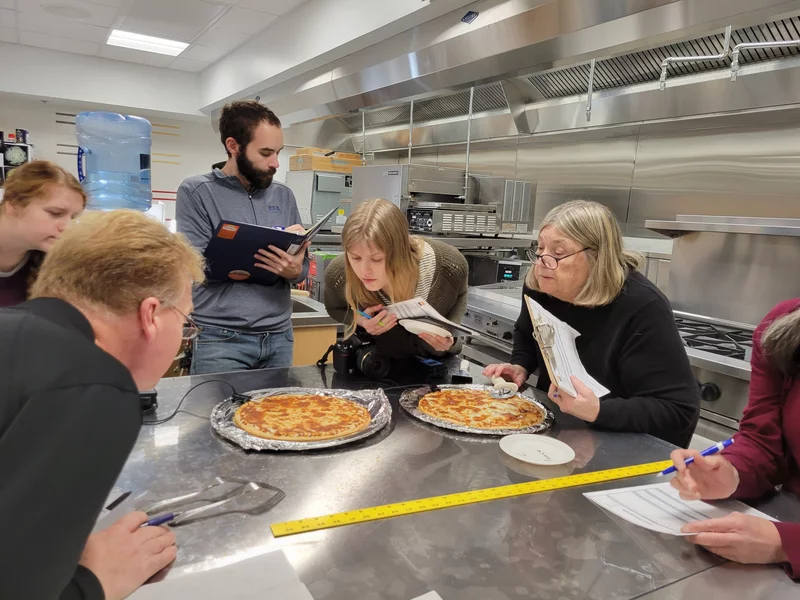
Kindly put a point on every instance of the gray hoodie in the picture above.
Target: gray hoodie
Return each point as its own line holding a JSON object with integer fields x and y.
{"x": 203, "y": 201}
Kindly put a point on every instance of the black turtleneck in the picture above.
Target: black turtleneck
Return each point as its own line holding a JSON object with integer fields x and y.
{"x": 633, "y": 348}
{"x": 69, "y": 416}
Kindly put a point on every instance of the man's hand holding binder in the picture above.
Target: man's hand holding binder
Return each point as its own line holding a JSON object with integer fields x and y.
{"x": 283, "y": 264}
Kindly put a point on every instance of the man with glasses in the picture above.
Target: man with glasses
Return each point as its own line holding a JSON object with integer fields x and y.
{"x": 106, "y": 320}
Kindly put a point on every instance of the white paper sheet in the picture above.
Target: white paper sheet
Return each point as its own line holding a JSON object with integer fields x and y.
{"x": 568, "y": 362}
{"x": 263, "y": 577}
{"x": 660, "y": 508}
{"x": 417, "y": 308}
{"x": 429, "y": 596}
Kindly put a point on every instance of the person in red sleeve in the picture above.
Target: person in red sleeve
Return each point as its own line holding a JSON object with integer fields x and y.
{"x": 765, "y": 453}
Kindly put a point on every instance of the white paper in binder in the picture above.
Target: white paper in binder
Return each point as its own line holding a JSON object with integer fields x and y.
{"x": 556, "y": 340}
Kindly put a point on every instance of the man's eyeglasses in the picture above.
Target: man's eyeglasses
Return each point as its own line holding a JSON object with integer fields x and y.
{"x": 548, "y": 261}
{"x": 190, "y": 329}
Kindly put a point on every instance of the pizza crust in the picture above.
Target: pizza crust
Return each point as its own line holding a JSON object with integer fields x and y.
{"x": 301, "y": 417}
{"x": 480, "y": 410}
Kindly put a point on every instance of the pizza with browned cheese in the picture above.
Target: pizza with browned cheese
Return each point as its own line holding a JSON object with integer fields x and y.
{"x": 301, "y": 417}
{"x": 479, "y": 409}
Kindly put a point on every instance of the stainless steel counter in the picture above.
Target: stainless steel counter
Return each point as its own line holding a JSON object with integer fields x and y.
{"x": 550, "y": 546}
{"x": 309, "y": 313}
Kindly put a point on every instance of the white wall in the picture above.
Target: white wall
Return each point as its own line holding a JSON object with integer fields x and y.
{"x": 180, "y": 148}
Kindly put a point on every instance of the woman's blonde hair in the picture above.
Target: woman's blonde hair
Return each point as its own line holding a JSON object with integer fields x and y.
{"x": 30, "y": 181}
{"x": 382, "y": 226}
{"x": 112, "y": 261}
{"x": 781, "y": 342}
{"x": 593, "y": 226}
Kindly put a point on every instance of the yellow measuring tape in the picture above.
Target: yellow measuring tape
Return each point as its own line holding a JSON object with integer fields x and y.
{"x": 411, "y": 507}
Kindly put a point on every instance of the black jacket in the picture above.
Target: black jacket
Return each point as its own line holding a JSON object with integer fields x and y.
{"x": 69, "y": 416}
{"x": 633, "y": 348}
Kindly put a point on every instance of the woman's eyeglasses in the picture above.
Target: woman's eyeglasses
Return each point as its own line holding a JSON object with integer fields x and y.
{"x": 548, "y": 261}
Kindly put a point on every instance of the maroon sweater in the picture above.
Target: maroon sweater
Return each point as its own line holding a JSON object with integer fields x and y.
{"x": 767, "y": 448}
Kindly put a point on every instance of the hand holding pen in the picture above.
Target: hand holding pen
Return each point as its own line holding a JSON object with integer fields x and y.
{"x": 376, "y": 320}
{"x": 711, "y": 476}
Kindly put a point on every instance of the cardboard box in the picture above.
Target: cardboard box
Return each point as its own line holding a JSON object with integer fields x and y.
{"x": 323, "y": 163}
{"x": 323, "y": 151}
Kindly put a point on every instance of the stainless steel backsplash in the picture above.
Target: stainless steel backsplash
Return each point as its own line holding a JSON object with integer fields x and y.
{"x": 738, "y": 165}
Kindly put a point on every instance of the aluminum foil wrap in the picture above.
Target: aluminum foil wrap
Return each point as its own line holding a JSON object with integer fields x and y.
{"x": 375, "y": 401}
{"x": 410, "y": 402}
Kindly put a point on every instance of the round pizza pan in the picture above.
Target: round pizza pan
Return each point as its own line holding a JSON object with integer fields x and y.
{"x": 375, "y": 401}
{"x": 409, "y": 400}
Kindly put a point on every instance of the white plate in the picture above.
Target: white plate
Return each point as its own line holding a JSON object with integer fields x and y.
{"x": 537, "y": 449}
{"x": 417, "y": 327}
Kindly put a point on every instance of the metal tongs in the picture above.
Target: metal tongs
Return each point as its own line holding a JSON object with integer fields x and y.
{"x": 224, "y": 493}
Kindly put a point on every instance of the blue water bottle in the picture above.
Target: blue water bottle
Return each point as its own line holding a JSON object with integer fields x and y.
{"x": 117, "y": 152}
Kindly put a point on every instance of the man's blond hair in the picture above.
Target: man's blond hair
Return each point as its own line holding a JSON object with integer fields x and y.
{"x": 112, "y": 261}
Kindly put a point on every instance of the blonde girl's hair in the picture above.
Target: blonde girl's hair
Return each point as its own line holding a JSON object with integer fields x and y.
{"x": 384, "y": 228}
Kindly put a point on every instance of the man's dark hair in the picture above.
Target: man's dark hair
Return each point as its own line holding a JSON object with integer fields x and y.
{"x": 239, "y": 119}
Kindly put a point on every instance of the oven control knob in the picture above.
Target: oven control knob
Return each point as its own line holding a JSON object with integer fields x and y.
{"x": 709, "y": 392}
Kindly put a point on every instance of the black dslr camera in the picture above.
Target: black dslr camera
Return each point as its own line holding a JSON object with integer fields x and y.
{"x": 358, "y": 353}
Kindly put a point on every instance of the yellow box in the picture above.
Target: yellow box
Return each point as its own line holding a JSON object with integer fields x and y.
{"x": 323, "y": 151}
{"x": 323, "y": 163}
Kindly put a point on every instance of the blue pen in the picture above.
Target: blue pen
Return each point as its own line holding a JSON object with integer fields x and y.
{"x": 366, "y": 316}
{"x": 160, "y": 520}
{"x": 707, "y": 452}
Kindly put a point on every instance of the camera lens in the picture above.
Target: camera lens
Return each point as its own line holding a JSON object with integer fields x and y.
{"x": 371, "y": 364}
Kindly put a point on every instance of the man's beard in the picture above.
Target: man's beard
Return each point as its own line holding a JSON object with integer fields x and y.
{"x": 260, "y": 179}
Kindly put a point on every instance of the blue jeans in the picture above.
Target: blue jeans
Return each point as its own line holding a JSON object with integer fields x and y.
{"x": 218, "y": 350}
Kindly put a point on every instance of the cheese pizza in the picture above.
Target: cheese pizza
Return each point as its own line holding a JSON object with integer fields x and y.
{"x": 479, "y": 409}
{"x": 301, "y": 417}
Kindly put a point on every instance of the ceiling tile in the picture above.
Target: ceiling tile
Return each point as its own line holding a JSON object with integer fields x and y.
{"x": 275, "y": 7}
{"x": 203, "y": 53}
{"x": 97, "y": 14}
{"x": 245, "y": 21}
{"x": 53, "y": 42}
{"x": 184, "y": 64}
{"x": 135, "y": 56}
{"x": 179, "y": 20}
{"x": 28, "y": 21}
{"x": 8, "y": 35}
{"x": 224, "y": 39}
{"x": 7, "y": 18}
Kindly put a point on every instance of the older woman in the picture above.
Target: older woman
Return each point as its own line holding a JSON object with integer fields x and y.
{"x": 766, "y": 453}
{"x": 628, "y": 339}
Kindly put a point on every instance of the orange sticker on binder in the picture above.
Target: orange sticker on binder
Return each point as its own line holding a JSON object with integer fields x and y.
{"x": 228, "y": 232}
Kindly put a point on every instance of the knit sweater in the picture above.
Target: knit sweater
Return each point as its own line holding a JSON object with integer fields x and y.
{"x": 448, "y": 295}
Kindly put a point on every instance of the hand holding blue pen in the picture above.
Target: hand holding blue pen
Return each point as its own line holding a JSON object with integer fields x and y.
{"x": 707, "y": 452}
{"x": 160, "y": 520}
{"x": 366, "y": 316}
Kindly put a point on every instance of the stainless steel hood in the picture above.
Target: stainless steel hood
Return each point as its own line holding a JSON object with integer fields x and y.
{"x": 523, "y": 39}
{"x": 749, "y": 225}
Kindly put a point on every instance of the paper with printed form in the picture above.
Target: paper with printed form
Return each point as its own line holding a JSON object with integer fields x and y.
{"x": 556, "y": 341}
{"x": 659, "y": 507}
{"x": 419, "y": 310}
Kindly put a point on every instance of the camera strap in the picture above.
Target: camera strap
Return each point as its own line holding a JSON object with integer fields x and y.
{"x": 321, "y": 362}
